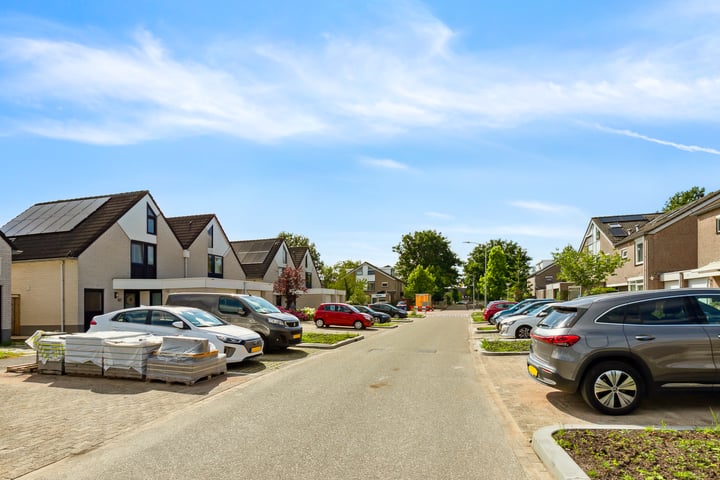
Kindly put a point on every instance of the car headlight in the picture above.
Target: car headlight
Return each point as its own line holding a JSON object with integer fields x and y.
{"x": 276, "y": 321}
{"x": 509, "y": 322}
{"x": 225, "y": 339}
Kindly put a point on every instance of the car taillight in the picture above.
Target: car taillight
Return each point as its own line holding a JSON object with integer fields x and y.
{"x": 558, "y": 340}
{"x": 93, "y": 322}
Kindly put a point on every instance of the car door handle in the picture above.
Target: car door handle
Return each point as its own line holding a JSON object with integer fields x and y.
{"x": 644, "y": 338}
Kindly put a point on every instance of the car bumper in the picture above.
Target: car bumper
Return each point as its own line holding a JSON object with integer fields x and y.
{"x": 284, "y": 338}
{"x": 239, "y": 352}
{"x": 547, "y": 375}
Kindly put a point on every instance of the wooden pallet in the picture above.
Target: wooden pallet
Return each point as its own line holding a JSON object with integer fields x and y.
{"x": 22, "y": 368}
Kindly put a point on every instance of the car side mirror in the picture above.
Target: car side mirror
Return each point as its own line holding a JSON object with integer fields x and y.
{"x": 179, "y": 324}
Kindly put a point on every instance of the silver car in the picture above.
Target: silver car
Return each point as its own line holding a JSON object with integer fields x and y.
{"x": 616, "y": 348}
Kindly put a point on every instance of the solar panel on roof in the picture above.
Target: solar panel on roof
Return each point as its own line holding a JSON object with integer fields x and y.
{"x": 618, "y": 232}
{"x": 53, "y": 217}
{"x": 623, "y": 219}
{"x": 254, "y": 257}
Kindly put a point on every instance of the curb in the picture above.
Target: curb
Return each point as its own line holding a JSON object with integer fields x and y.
{"x": 556, "y": 459}
{"x": 500, "y": 354}
{"x": 331, "y": 346}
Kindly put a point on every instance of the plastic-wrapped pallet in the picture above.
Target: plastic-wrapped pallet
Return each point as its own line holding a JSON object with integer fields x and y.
{"x": 185, "y": 360}
{"x": 51, "y": 353}
{"x": 84, "y": 351}
{"x": 127, "y": 357}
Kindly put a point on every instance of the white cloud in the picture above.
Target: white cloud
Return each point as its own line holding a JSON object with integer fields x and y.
{"x": 403, "y": 75}
{"x": 385, "y": 163}
{"x": 679, "y": 146}
{"x": 544, "y": 207}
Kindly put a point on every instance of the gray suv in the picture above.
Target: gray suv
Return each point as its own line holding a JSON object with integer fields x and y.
{"x": 617, "y": 348}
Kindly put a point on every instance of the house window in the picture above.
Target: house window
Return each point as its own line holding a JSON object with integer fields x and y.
{"x": 624, "y": 253}
{"x": 142, "y": 260}
{"x": 307, "y": 261}
{"x": 215, "y": 266}
{"x": 717, "y": 225}
{"x": 384, "y": 284}
{"x": 635, "y": 285}
{"x": 371, "y": 271}
{"x": 284, "y": 257}
{"x": 210, "y": 237}
{"x": 370, "y": 286}
{"x": 639, "y": 252}
{"x": 308, "y": 280}
{"x": 151, "y": 221}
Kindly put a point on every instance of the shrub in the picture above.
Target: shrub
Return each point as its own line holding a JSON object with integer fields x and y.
{"x": 300, "y": 315}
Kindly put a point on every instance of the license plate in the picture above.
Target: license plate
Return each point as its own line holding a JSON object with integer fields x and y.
{"x": 533, "y": 371}
{"x": 255, "y": 349}
{"x": 296, "y": 336}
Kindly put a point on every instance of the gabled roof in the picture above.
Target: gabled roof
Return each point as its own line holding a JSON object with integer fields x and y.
{"x": 256, "y": 256}
{"x": 80, "y": 229}
{"x": 187, "y": 229}
{"x": 7, "y": 240}
{"x": 618, "y": 228}
{"x": 664, "y": 220}
{"x": 298, "y": 254}
{"x": 377, "y": 269}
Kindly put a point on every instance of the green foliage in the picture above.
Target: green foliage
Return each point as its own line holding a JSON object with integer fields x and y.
{"x": 506, "y": 345}
{"x": 515, "y": 280}
{"x": 497, "y": 272}
{"x": 431, "y": 250}
{"x": 419, "y": 281}
{"x": 683, "y": 198}
{"x": 334, "y": 277}
{"x": 309, "y": 313}
{"x": 601, "y": 290}
{"x": 326, "y": 338}
{"x": 585, "y": 269}
{"x": 358, "y": 295}
{"x": 448, "y": 298}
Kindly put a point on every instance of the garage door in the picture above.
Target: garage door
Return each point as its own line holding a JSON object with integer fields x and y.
{"x": 698, "y": 283}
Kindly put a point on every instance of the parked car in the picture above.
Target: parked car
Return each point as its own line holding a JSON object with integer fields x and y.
{"x": 378, "y": 317}
{"x": 278, "y": 330}
{"x": 520, "y": 326}
{"x": 343, "y": 315}
{"x": 616, "y": 348}
{"x": 402, "y": 305}
{"x": 389, "y": 309}
{"x": 237, "y": 343}
{"x": 519, "y": 308}
{"x": 496, "y": 306}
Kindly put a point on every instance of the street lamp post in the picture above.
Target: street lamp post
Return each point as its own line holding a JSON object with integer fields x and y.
{"x": 484, "y": 274}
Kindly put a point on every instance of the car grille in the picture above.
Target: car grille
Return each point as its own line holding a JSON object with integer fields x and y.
{"x": 292, "y": 323}
{"x": 249, "y": 344}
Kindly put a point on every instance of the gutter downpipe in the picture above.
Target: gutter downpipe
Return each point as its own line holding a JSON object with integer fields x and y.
{"x": 62, "y": 295}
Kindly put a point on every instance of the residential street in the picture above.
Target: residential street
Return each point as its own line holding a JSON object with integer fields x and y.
{"x": 403, "y": 403}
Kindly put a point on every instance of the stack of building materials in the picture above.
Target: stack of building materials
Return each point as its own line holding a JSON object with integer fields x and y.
{"x": 51, "y": 354}
{"x": 84, "y": 351}
{"x": 127, "y": 357}
{"x": 185, "y": 360}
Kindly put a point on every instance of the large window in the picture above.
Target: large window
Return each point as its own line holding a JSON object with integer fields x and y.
{"x": 308, "y": 280}
{"x": 215, "y": 266}
{"x": 151, "y": 221}
{"x": 142, "y": 260}
{"x": 639, "y": 252}
{"x": 211, "y": 242}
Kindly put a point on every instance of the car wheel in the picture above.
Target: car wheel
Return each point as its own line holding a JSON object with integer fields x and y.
{"x": 523, "y": 332}
{"x": 358, "y": 325}
{"x": 613, "y": 388}
{"x": 319, "y": 322}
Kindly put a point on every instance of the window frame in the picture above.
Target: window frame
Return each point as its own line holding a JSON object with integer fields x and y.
{"x": 151, "y": 221}
{"x": 213, "y": 264}
{"x": 147, "y": 266}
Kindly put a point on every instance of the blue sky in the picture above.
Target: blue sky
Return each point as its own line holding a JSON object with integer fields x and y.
{"x": 354, "y": 123}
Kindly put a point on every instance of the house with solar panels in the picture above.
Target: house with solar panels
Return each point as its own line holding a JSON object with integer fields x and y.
{"x": 675, "y": 249}
{"x": 263, "y": 260}
{"x": 6, "y": 251}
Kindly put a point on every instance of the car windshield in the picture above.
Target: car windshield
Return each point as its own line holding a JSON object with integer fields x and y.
{"x": 559, "y": 318}
{"x": 261, "y": 305}
{"x": 201, "y": 318}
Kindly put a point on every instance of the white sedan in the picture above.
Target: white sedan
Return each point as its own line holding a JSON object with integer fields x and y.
{"x": 519, "y": 326}
{"x": 236, "y": 342}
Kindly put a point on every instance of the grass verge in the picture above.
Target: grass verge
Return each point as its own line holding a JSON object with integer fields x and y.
{"x": 8, "y": 354}
{"x": 326, "y": 338}
{"x": 505, "y": 345}
{"x": 477, "y": 317}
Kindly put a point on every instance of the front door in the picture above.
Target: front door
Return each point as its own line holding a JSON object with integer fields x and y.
{"x": 131, "y": 298}
{"x": 15, "y": 315}
{"x": 93, "y": 304}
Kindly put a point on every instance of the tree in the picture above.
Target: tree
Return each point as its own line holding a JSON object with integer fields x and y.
{"x": 585, "y": 269}
{"x": 335, "y": 272}
{"x": 295, "y": 240}
{"x": 497, "y": 273}
{"x": 290, "y": 284}
{"x": 683, "y": 198}
{"x": 431, "y": 250}
{"x": 516, "y": 275}
{"x": 340, "y": 277}
{"x": 419, "y": 281}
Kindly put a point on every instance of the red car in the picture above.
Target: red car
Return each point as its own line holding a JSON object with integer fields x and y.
{"x": 343, "y": 315}
{"x": 496, "y": 306}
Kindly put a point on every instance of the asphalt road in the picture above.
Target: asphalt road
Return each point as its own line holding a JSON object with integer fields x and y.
{"x": 405, "y": 404}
